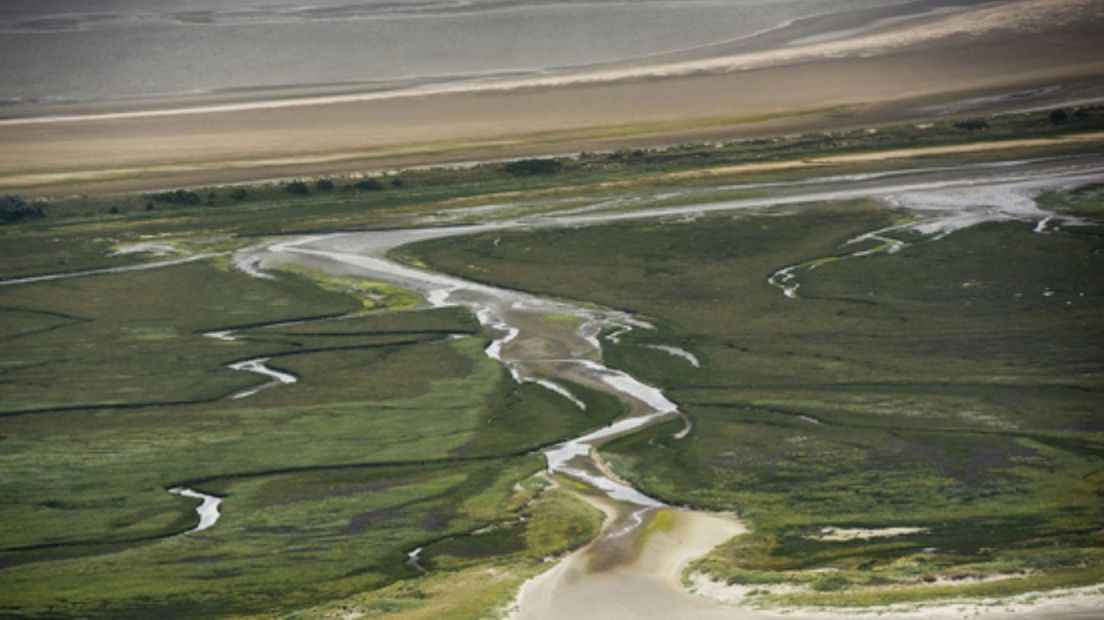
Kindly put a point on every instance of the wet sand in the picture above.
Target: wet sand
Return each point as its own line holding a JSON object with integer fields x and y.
{"x": 646, "y": 584}
{"x": 1031, "y": 53}
{"x": 605, "y": 581}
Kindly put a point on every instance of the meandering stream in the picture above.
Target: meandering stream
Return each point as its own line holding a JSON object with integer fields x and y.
{"x": 257, "y": 366}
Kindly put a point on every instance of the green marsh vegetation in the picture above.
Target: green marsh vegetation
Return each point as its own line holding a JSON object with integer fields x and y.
{"x": 399, "y": 433}
{"x": 952, "y": 387}
{"x": 1084, "y": 201}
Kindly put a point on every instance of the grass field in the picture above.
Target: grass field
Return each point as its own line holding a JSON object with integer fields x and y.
{"x": 952, "y": 387}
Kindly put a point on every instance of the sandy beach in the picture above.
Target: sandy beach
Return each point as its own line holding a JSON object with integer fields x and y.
{"x": 640, "y": 576}
{"x": 1024, "y": 54}
{"x": 646, "y": 585}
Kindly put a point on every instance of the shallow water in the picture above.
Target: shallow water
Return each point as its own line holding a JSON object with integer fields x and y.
{"x": 208, "y": 508}
{"x": 73, "y": 50}
{"x": 258, "y": 366}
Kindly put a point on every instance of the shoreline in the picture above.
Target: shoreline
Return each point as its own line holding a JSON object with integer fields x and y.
{"x": 828, "y": 26}
{"x": 917, "y": 78}
{"x": 901, "y": 34}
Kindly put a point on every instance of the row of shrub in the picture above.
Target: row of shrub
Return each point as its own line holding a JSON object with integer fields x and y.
{"x": 299, "y": 187}
{"x": 302, "y": 188}
{"x": 520, "y": 168}
{"x": 1058, "y": 116}
{"x": 188, "y": 198}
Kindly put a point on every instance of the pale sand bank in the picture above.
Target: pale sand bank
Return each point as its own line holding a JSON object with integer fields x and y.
{"x": 592, "y": 584}
{"x": 1076, "y": 603}
{"x": 837, "y": 534}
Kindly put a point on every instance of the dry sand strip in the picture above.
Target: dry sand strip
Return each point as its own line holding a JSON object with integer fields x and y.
{"x": 68, "y": 179}
{"x": 901, "y": 74}
{"x": 879, "y": 156}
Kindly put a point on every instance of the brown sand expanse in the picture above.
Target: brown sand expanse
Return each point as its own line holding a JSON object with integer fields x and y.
{"x": 1049, "y": 50}
{"x": 639, "y": 577}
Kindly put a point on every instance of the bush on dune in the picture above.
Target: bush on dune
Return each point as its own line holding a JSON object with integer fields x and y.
{"x": 297, "y": 188}
{"x": 15, "y": 209}
{"x": 176, "y": 197}
{"x": 532, "y": 167}
{"x": 972, "y": 124}
{"x": 369, "y": 185}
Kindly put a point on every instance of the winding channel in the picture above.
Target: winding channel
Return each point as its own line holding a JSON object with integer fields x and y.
{"x": 554, "y": 356}
{"x": 257, "y": 366}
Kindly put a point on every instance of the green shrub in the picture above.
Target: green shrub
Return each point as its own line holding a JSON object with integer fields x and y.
{"x": 324, "y": 185}
{"x": 298, "y": 188}
{"x": 239, "y": 193}
{"x": 831, "y": 583}
{"x": 532, "y": 167}
{"x": 14, "y": 209}
{"x": 369, "y": 185}
{"x": 176, "y": 197}
{"x": 972, "y": 124}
